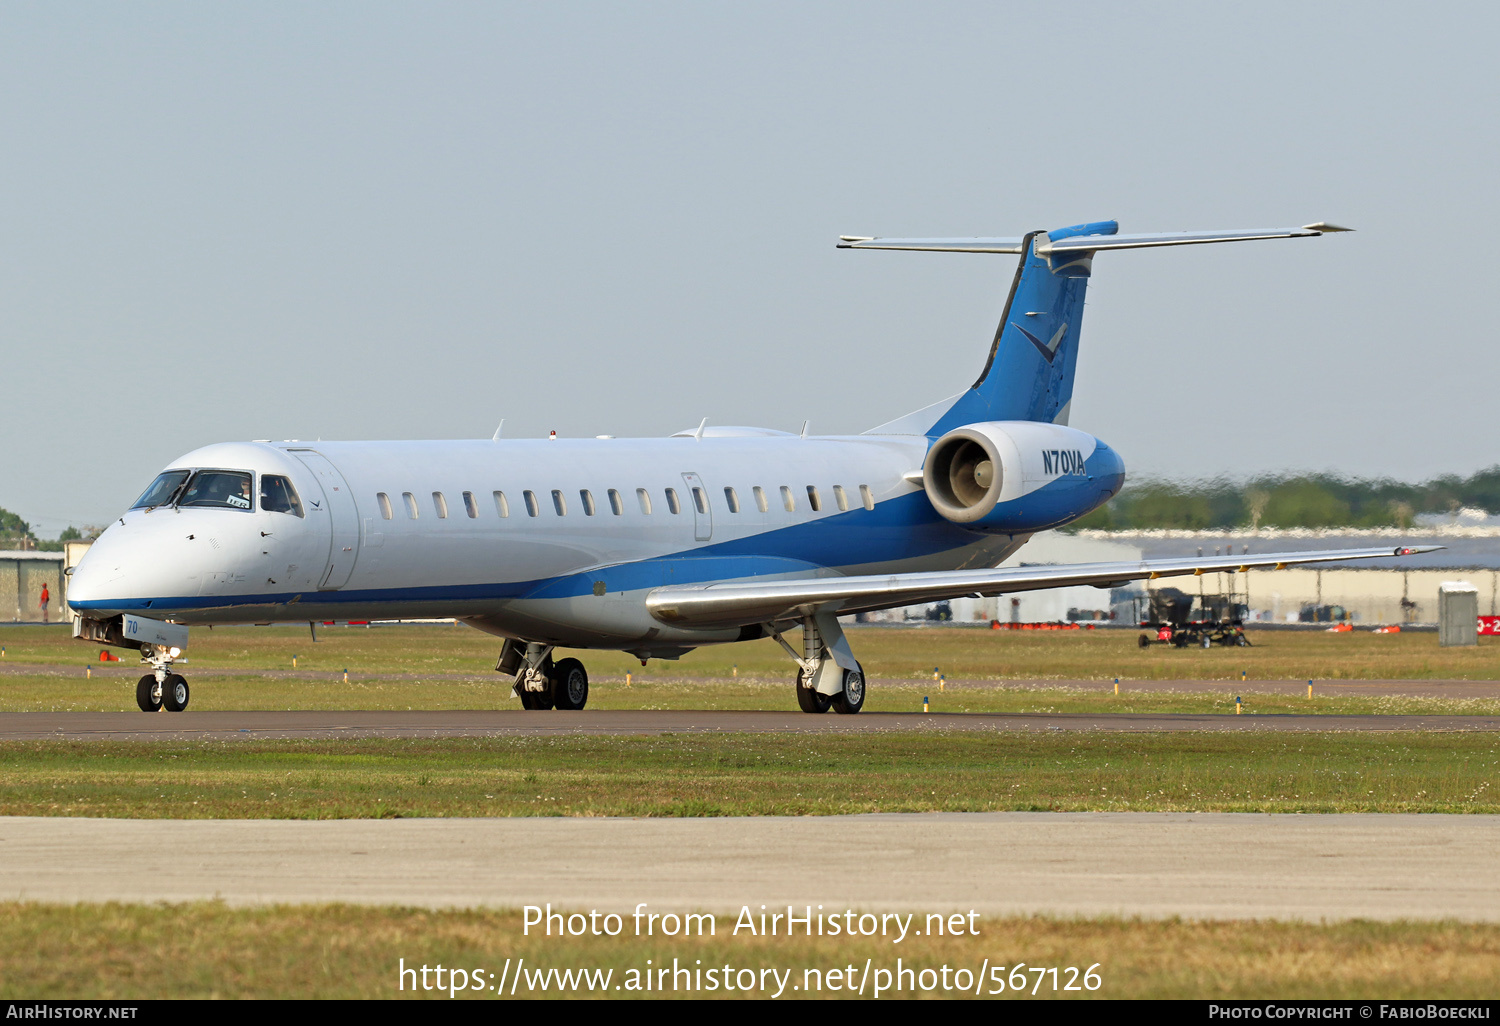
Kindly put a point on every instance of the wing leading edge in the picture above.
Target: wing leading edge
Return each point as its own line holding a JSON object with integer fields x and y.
{"x": 714, "y": 606}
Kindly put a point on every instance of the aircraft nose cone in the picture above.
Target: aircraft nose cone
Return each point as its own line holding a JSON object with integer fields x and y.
{"x": 105, "y": 574}
{"x": 88, "y": 580}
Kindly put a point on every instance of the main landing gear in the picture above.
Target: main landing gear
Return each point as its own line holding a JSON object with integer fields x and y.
{"x": 161, "y": 689}
{"x": 542, "y": 683}
{"x": 828, "y": 676}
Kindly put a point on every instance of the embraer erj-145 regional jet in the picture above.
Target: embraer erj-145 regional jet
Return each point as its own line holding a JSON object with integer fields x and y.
{"x": 653, "y": 546}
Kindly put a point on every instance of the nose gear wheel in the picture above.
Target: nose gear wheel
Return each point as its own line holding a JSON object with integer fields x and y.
{"x": 148, "y": 694}
{"x": 174, "y": 693}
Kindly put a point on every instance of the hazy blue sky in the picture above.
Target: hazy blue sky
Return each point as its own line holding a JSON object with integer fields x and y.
{"x": 224, "y": 221}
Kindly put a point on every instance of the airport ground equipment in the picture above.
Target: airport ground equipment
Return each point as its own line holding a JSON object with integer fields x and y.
{"x": 1221, "y": 621}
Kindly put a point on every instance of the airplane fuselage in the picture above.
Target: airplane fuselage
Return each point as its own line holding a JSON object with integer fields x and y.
{"x": 559, "y": 540}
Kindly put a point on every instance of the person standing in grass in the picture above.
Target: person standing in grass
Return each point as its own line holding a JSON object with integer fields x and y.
{"x": 46, "y": 597}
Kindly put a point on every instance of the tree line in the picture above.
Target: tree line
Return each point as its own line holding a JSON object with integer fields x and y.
{"x": 16, "y": 533}
{"x": 1286, "y": 500}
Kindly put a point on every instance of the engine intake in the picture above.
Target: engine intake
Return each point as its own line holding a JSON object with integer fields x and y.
{"x": 1018, "y": 476}
{"x": 963, "y": 475}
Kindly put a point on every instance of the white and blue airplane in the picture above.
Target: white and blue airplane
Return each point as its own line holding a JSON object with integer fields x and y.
{"x": 653, "y": 546}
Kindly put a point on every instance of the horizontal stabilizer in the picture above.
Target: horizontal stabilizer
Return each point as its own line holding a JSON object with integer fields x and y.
{"x": 711, "y": 606}
{"x": 1086, "y": 243}
{"x": 934, "y": 245}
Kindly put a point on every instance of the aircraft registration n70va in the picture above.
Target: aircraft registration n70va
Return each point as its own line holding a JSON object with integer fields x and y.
{"x": 650, "y": 546}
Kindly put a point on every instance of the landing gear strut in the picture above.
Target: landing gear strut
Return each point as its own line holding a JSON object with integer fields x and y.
{"x": 161, "y": 689}
{"x": 828, "y": 675}
{"x": 540, "y": 682}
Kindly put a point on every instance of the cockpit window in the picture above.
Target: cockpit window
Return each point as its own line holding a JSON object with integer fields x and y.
{"x": 226, "y": 489}
{"x": 162, "y": 489}
{"x": 278, "y": 496}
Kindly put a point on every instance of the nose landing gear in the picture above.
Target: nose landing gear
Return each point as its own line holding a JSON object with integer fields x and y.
{"x": 161, "y": 689}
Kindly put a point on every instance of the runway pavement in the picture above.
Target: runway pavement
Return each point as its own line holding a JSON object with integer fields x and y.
{"x": 1209, "y": 866}
{"x": 231, "y": 726}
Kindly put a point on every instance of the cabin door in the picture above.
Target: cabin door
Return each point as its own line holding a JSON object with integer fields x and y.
{"x": 336, "y": 507}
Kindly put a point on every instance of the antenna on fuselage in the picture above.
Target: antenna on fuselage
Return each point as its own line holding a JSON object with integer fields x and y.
{"x": 698, "y": 435}
{"x": 496, "y": 436}
{"x": 804, "y": 428}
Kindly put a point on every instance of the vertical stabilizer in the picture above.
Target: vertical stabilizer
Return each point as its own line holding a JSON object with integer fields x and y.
{"x": 1029, "y": 373}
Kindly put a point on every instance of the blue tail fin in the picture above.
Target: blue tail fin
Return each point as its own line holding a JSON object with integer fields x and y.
{"x": 1029, "y": 374}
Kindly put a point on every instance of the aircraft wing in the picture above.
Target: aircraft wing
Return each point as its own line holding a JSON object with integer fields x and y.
{"x": 740, "y": 604}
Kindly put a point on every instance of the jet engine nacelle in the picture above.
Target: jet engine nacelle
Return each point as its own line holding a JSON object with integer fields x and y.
{"x": 1019, "y": 476}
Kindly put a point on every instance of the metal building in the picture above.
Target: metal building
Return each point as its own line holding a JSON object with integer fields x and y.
{"x": 22, "y": 575}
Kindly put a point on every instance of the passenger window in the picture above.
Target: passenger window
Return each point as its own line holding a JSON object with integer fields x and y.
{"x": 588, "y": 502}
{"x": 813, "y": 499}
{"x": 532, "y": 507}
{"x": 760, "y": 498}
{"x": 558, "y": 503}
{"x": 224, "y": 489}
{"x": 787, "y": 500}
{"x": 278, "y": 496}
{"x": 411, "y": 504}
{"x": 385, "y": 504}
{"x": 672, "y": 503}
{"x": 865, "y": 497}
{"x": 732, "y": 499}
{"x": 840, "y": 497}
{"x": 440, "y": 504}
{"x": 471, "y": 505}
{"x": 501, "y": 505}
{"x": 644, "y": 498}
{"x": 615, "y": 505}
{"x": 700, "y": 499}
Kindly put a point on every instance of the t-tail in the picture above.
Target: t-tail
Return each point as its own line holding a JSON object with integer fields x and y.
{"x": 1029, "y": 373}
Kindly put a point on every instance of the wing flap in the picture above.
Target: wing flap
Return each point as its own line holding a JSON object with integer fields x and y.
{"x": 714, "y": 606}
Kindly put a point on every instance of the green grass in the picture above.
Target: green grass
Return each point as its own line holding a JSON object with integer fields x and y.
{"x": 446, "y": 667}
{"x": 754, "y": 774}
{"x": 208, "y": 950}
{"x": 887, "y": 653}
